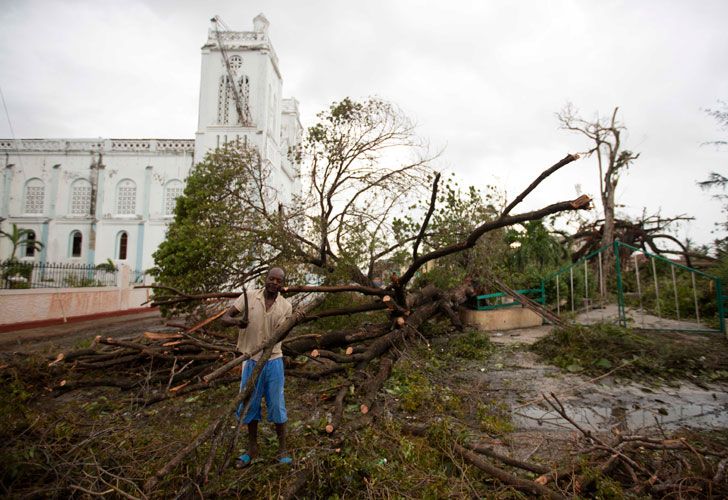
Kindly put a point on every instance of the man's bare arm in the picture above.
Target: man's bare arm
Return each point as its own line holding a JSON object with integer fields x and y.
{"x": 229, "y": 319}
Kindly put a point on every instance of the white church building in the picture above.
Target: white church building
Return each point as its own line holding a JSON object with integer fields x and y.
{"x": 88, "y": 200}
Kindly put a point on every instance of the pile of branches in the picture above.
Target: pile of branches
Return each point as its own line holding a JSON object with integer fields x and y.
{"x": 159, "y": 365}
{"x": 638, "y": 465}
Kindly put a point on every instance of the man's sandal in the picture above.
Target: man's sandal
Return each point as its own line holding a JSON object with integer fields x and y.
{"x": 243, "y": 461}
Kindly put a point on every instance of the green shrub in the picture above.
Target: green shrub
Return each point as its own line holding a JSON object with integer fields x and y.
{"x": 600, "y": 348}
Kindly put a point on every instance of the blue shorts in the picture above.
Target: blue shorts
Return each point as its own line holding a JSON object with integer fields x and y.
{"x": 270, "y": 385}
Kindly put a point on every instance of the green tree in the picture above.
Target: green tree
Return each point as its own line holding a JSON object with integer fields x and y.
{"x": 457, "y": 213}
{"x": 535, "y": 252}
{"x": 217, "y": 241}
{"x": 19, "y": 238}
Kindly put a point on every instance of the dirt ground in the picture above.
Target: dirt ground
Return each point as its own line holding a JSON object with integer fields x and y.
{"x": 58, "y": 337}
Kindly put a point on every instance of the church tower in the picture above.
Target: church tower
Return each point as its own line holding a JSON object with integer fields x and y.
{"x": 241, "y": 98}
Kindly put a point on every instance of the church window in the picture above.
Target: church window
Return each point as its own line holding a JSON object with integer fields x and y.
{"x": 81, "y": 197}
{"x": 171, "y": 192}
{"x": 30, "y": 244}
{"x": 122, "y": 242}
{"x": 76, "y": 243}
{"x": 34, "y": 196}
{"x": 126, "y": 197}
{"x": 236, "y": 62}
{"x": 227, "y": 113}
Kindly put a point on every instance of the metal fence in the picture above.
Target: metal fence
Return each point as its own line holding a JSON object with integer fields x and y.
{"x": 626, "y": 285}
{"x": 18, "y": 275}
{"x": 500, "y": 300}
{"x": 137, "y": 277}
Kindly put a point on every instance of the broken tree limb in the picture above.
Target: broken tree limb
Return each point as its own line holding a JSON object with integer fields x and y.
{"x": 373, "y": 385}
{"x": 280, "y": 333}
{"x": 364, "y": 290}
{"x": 581, "y": 203}
{"x": 501, "y": 475}
{"x": 556, "y": 166}
{"x": 433, "y": 200}
{"x": 345, "y": 311}
{"x": 528, "y": 466}
{"x": 525, "y": 301}
{"x": 506, "y": 477}
{"x": 338, "y": 412}
{"x": 207, "y": 321}
{"x": 333, "y": 339}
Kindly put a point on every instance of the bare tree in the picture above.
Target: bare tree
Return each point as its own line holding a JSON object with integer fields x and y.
{"x": 605, "y": 135}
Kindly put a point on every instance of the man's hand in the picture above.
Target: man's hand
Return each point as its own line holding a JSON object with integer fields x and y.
{"x": 228, "y": 319}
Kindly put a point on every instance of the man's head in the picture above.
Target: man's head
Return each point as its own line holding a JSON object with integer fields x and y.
{"x": 274, "y": 280}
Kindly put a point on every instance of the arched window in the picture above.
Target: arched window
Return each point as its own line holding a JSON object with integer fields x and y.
{"x": 126, "y": 197}
{"x": 81, "y": 197}
{"x": 227, "y": 113}
{"x": 34, "y": 197}
{"x": 122, "y": 242}
{"x": 76, "y": 243}
{"x": 30, "y": 244}
{"x": 172, "y": 191}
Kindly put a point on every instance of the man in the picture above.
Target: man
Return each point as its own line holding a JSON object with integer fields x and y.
{"x": 267, "y": 310}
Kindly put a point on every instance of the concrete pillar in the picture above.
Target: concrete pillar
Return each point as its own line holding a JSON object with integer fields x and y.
{"x": 5, "y": 204}
{"x": 7, "y": 182}
{"x": 55, "y": 173}
{"x": 145, "y": 218}
{"x": 98, "y": 172}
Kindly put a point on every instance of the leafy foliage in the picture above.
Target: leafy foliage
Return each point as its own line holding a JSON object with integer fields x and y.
{"x": 217, "y": 241}
{"x": 535, "y": 252}
{"x": 18, "y": 238}
{"x": 458, "y": 211}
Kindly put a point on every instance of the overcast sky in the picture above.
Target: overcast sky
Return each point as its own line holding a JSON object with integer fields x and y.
{"x": 483, "y": 80}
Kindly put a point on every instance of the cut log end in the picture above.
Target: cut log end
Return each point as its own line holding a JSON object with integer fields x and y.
{"x": 97, "y": 339}
{"x": 58, "y": 359}
{"x": 400, "y": 322}
{"x": 315, "y": 353}
{"x": 329, "y": 428}
{"x": 349, "y": 351}
{"x": 582, "y": 201}
{"x": 364, "y": 409}
{"x": 179, "y": 387}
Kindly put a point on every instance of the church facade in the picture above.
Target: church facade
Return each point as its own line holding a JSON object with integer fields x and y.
{"x": 89, "y": 200}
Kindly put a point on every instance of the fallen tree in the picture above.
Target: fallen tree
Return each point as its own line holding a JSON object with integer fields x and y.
{"x": 364, "y": 166}
{"x": 187, "y": 360}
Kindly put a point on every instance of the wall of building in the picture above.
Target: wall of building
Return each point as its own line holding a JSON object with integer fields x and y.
{"x": 152, "y": 171}
{"x": 500, "y": 319}
{"x": 44, "y": 304}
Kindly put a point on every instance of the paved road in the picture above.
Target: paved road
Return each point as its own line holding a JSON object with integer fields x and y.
{"x": 69, "y": 335}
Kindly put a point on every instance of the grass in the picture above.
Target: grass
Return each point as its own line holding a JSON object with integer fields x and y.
{"x": 598, "y": 349}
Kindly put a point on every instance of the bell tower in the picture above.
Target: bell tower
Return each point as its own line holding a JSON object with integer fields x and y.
{"x": 240, "y": 90}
